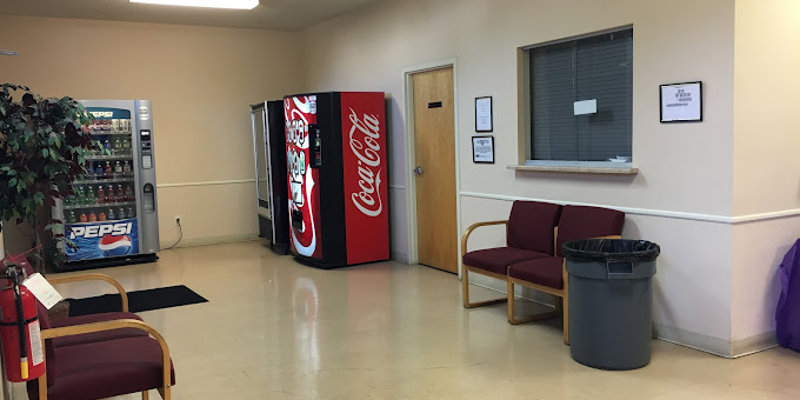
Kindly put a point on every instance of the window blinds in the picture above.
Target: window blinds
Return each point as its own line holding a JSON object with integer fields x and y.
{"x": 598, "y": 67}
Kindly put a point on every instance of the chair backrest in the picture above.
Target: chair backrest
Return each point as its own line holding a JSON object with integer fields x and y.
{"x": 531, "y": 224}
{"x": 583, "y": 222}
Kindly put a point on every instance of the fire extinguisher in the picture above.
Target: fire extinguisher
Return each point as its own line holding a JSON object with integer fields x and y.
{"x": 22, "y": 343}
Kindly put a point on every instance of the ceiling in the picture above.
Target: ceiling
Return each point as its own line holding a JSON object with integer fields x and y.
{"x": 287, "y": 15}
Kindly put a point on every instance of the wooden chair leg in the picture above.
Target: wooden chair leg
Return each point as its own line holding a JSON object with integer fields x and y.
{"x": 165, "y": 393}
{"x": 465, "y": 292}
{"x": 43, "y": 386}
{"x": 510, "y": 298}
{"x": 465, "y": 285}
{"x": 145, "y": 395}
{"x": 514, "y": 320}
{"x": 565, "y": 302}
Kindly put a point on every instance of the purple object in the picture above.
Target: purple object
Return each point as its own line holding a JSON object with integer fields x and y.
{"x": 787, "y": 315}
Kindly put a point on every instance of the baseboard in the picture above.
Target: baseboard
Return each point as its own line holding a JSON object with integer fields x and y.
{"x": 754, "y": 344}
{"x": 694, "y": 340}
{"x": 401, "y": 257}
{"x": 205, "y": 241}
{"x": 714, "y": 345}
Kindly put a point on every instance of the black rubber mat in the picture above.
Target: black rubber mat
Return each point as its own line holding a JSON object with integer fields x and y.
{"x": 140, "y": 300}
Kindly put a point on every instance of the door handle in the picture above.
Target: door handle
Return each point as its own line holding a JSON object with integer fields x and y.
{"x": 418, "y": 170}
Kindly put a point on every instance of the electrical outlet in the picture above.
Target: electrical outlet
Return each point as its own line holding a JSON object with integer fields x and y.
{"x": 178, "y": 219}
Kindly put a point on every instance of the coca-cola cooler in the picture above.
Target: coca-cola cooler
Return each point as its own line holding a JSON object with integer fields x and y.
{"x": 338, "y": 199}
{"x": 269, "y": 142}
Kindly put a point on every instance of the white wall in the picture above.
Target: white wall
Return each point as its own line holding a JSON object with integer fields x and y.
{"x": 685, "y": 169}
{"x": 766, "y": 160}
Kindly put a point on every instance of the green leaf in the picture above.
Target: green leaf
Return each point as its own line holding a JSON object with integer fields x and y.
{"x": 38, "y": 198}
{"x": 12, "y": 182}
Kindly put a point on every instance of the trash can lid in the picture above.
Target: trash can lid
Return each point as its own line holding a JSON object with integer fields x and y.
{"x": 612, "y": 249}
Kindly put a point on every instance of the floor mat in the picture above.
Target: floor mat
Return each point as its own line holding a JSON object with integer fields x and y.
{"x": 139, "y": 300}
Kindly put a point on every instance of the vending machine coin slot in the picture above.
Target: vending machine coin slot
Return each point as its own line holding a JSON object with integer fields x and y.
{"x": 315, "y": 148}
{"x": 149, "y": 198}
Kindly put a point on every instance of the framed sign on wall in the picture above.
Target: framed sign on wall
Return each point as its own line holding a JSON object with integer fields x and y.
{"x": 483, "y": 149}
{"x": 681, "y": 102}
{"x": 483, "y": 114}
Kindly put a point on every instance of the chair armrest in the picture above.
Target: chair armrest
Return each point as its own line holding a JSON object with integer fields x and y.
{"x": 94, "y": 277}
{"x": 474, "y": 226}
{"x": 52, "y": 333}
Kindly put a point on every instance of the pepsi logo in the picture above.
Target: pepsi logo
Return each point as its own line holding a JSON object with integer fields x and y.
{"x": 112, "y": 246}
{"x": 96, "y": 231}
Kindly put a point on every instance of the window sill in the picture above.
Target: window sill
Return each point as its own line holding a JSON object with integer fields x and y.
{"x": 578, "y": 167}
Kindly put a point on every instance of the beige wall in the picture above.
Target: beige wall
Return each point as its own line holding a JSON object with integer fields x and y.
{"x": 766, "y": 155}
{"x": 682, "y": 196}
{"x": 201, "y": 81}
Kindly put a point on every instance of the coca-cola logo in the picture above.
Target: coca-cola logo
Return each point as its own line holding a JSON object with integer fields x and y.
{"x": 365, "y": 137}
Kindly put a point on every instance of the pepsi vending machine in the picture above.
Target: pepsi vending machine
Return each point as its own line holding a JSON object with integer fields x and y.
{"x": 269, "y": 145}
{"x": 111, "y": 218}
{"x": 338, "y": 205}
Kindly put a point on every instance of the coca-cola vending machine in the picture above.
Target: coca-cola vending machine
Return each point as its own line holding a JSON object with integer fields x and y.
{"x": 336, "y": 153}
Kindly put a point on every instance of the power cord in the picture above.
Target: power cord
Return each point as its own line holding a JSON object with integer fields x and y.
{"x": 180, "y": 229}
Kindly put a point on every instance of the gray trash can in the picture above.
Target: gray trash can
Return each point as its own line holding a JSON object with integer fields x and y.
{"x": 610, "y": 301}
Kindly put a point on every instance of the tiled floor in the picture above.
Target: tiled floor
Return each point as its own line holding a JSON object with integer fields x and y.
{"x": 274, "y": 329}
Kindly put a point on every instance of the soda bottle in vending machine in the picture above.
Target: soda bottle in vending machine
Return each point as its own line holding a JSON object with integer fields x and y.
{"x": 128, "y": 193}
{"x": 110, "y": 197}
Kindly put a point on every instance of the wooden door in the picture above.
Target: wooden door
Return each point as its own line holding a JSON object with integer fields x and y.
{"x": 434, "y": 170}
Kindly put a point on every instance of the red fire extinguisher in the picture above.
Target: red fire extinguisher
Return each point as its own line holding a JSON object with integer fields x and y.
{"x": 22, "y": 344}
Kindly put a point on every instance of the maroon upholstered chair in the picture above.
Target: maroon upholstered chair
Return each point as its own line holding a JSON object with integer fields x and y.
{"x": 84, "y": 319}
{"x": 89, "y": 370}
{"x": 549, "y": 275}
{"x": 529, "y": 235}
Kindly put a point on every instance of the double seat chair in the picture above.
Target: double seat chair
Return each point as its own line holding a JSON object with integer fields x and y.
{"x": 101, "y": 355}
{"x": 533, "y": 256}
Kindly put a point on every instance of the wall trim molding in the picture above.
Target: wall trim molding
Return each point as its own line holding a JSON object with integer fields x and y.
{"x": 210, "y": 240}
{"x": 205, "y": 183}
{"x": 754, "y": 344}
{"x": 693, "y": 340}
{"x": 719, "y": 219}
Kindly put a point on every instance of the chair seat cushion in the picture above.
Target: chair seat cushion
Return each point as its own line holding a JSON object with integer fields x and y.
{"x": 499, "y": 258}
{"x": 95, "y": 336}
{"x": 103, "y": 369}
{"x": 543, "y": 271}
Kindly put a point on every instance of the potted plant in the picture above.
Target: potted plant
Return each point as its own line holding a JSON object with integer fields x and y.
{"x": 43, "y": 143}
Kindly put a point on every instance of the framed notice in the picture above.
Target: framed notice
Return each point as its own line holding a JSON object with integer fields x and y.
{"x": 483, "y": 114}
{"x": 483, "y": 149}
{"x": 681, "y": 102}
